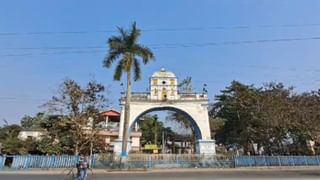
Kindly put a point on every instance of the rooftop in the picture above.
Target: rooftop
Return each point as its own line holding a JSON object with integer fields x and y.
{"x": 163, "y": 73}
{"x": 182, "y": 97}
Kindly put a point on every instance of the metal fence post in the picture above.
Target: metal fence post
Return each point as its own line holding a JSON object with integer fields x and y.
{"x": 265, "y": 160}
{"x": 252, "y": 160}
{"x": 1, "y": 161}
{"x": 305, "y": 160}
{"x": 26, "y": 161}
{"x": 279, "y": 160}
{"x": 318, "y": 160}
{"x": 177, "y": 160}
{"x": 149, "y": 160}
{"x": 293, "y": 161}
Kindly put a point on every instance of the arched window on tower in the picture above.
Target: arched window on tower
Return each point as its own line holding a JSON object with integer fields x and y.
{"x": 155, "y": 82}
{"x": 172, "y": 82}
{"x": 172, "y": 92}
{"x": 155, "y": 91}
{"x": 164, "y": 94}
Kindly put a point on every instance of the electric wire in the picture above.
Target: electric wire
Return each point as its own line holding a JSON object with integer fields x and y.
{"x": 156, "y": 46}
{"x": 176, "y": 29}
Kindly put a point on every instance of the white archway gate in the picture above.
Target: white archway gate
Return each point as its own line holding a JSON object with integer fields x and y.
{"x": 164, "y": 95}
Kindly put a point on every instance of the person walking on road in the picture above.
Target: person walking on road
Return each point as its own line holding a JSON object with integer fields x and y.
{"x": 82, "y": 169}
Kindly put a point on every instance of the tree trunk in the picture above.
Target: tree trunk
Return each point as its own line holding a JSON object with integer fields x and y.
{"x": 76, "y": 149}
{"x": 155, "y": 133}
{"x": 126, "y": 116}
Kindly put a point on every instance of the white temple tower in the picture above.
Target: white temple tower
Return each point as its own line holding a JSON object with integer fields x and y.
{"x": 163, "y": 86}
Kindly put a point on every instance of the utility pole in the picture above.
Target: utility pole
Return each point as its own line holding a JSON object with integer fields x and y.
{"x": 155, "y": 132}
{"x": 91, "y": 153}
{"x": 163, "y": 143}
{"x": 91, "y": 140}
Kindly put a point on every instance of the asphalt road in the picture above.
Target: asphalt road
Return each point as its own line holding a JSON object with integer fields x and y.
{"x": 183, "y": 175}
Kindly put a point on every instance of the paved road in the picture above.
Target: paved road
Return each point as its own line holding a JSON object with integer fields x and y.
{"x": 185, "y": 175}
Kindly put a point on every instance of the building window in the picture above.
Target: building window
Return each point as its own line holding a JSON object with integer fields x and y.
{"x": 171, "y": 81}
{"x": 164, "y": 94}
{"x": 172, "y": 92}
{"x": 155, "y": 81}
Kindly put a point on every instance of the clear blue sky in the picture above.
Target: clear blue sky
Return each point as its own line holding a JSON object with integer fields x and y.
{"x": 29, "y": 77}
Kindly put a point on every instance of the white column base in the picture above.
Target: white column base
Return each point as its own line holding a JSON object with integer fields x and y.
{"x": 117, "y": 147}
{"x": 206, "y": 146}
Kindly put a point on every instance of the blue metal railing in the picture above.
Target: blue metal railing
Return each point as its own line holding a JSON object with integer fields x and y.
{"x": 2, "y": 161}
{"x": 157, "y": 161}
{"x": 254, "y": 161}
{"x": 34, "y": 161}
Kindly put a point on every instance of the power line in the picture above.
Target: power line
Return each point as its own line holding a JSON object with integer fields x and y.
{"x": 177, "y": 29}
{"x": 155, "y": 46}
{"x": 51, "y": 48}
{"x": 51, "y": 53}
{"x": 238, "y": 42}
{"x": 15, "y": 99}
{"x": 53, "y": 33}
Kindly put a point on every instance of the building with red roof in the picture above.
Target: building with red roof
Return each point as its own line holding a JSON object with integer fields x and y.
{"x": 110, "y": 130}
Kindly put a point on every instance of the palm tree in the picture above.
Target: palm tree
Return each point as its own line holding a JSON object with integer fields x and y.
{"x": 126, "y": 49}
{"x": 186, "y": 85}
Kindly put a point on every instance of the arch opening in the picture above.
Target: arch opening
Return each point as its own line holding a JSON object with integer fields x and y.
{"x": 194, "y": 126}
{"x": 159, "y": 127}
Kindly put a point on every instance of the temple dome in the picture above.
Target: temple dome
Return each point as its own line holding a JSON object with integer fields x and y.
{"x": 163, "y": 74}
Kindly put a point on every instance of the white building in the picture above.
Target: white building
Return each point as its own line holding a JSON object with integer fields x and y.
{"x": 36, "y": 134}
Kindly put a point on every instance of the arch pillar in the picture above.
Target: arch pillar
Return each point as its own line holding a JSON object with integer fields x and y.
{"x": 117, "y": 144}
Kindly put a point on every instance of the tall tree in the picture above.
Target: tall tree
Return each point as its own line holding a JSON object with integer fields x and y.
{"x": 126, "y": 49}
{"x": 151, "y": 129}
{"x": 234, "y": 105}
{"x": 272, "y": 117}
{"x": 184, "y": 87}
{"x": 9, "y": 140}
{"x": 28, "y": 122}
{"x": 75, "y": 107}
{"x": 305, "y": 126}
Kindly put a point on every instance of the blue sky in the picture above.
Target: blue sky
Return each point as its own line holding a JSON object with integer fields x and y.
{"x": 32, "y": 62}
